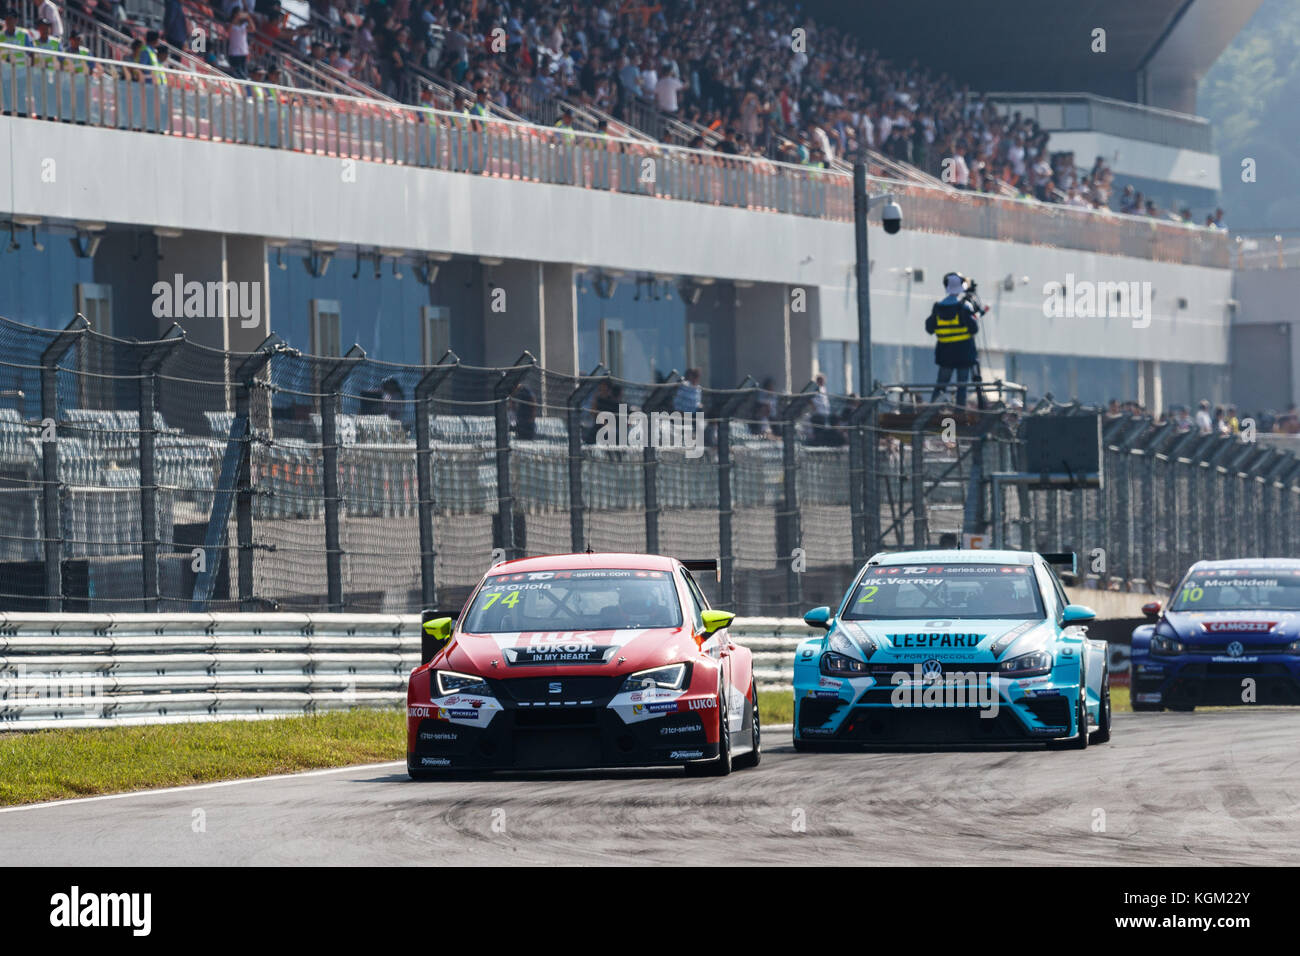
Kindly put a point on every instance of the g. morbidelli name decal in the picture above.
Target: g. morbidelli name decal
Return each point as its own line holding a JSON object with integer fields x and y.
{"x": 936, "y": 640}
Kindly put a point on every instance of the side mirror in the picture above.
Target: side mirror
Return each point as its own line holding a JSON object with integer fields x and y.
{"x": 1151, "y": 610}
{"x": 435, "y": 633}
{"x": 1077, "y": 614}
{"x": 716, "y": 620}
{"x": 818, "y": 617}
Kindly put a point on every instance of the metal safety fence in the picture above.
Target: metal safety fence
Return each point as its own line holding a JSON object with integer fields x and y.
{"x": 71, "y": 670}
{"x": 170, "y": 476}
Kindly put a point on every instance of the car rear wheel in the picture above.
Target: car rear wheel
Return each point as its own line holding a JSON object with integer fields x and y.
{"x": 1182, "y": 708}
{"x": 720, "y": 766}
{"x": 1102, "y": 733}
{"x": 751, "y": 759}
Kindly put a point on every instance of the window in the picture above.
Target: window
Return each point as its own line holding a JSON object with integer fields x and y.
{"x": 435, "y": 321}
{"x": 698, "y": 603}
{"x": 326, "y": 330}
{"x": 611, "y": 346}
{"x": 95, "y": 302}
{"x": 697, "y": 349}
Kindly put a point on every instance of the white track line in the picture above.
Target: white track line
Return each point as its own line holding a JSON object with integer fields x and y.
{"x": 200, "y": 786}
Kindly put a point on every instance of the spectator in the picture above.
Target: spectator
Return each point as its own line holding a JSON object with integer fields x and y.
{"x": 237, "y": 42}
{"x": 14, "y": 35}
{"x": 523, "y": 412}
{"x": 1204, "y": 421}
{"x": 176, "y": 28}
{"x": 48, "y": 12}
{"x": 689, "y": 397}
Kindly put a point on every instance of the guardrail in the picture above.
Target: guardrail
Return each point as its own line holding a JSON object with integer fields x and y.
{"x": 104, "y": 670}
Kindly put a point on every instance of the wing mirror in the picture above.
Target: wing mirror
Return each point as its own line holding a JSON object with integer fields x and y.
{"x": 1077, "y": 614}
{"x": 818, "y": 617}
{"x": 435, "y": 633}
{"x": 716, "y": 620}
{"x": 1151, "y": 610}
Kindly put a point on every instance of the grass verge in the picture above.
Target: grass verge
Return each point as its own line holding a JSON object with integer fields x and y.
{"x": 57, "y": 764}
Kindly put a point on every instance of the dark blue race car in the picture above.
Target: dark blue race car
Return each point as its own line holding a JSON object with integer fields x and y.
{"x": 1230, "y": 635}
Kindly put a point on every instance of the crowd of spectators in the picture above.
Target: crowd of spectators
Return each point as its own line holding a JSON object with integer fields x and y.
{"x": 745, "y": 77}
{"x": 1209, "y": 419}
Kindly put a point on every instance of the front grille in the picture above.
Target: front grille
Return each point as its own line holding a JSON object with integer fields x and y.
{"x": 530, "y": 690}
{"x": 935, "y": 725}
{"x": 536, "y": 717}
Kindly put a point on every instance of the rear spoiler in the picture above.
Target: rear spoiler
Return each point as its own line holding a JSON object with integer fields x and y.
{"x": 1065, "y": 559}
{"x": 712, "y": 565}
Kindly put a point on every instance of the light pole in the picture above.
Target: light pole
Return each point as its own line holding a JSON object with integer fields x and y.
{"x": 893, "y": 221}
{"x": 867, "y": 531}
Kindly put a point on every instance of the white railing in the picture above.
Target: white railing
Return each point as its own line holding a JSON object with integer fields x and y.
{"x": 100, "y": 670}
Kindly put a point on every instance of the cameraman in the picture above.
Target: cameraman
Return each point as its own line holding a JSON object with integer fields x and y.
{"x": 952, "y": 323}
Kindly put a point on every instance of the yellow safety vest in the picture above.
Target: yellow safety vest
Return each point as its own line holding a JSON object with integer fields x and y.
{"x": 153, "y": 61}
{"x": 20, "y": 37}
{"x": 49, "y": 62}
{"x": 951, "y": 330}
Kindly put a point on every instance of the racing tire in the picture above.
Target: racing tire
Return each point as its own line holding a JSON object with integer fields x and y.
{"x": 720, "y": 766}
{"x": 751, "y": 759}
{"x": 1102, "y": 734}
{"x": 1181, "y": 708}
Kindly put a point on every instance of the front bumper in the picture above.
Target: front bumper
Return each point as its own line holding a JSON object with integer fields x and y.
{"x": 1216, "y": 679}
{"x": 867, "y": 710}
{"x": 521, "y": 726}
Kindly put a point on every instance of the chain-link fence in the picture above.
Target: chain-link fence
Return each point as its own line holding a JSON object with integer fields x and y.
{"x": 170, "y": 476}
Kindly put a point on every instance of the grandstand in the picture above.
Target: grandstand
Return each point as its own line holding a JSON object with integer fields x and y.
{"x": 638, "y": 190}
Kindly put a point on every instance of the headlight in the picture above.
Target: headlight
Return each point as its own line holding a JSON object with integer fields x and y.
{"x": 1166, "y": 645}
{"x": 450, "y": 682}
{"x": 838, "y": 665}
{"x": 1027, "y": 665}
{"x": 668, "y": 677}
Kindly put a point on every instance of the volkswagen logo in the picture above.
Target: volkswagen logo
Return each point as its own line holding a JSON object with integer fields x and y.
{"x": 931, "y": 670}
{"x": 1236, "y": 649}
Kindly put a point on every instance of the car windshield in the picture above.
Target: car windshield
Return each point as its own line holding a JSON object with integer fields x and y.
{"x": 576, "y": 600}
{"x": 1239, "y": 589}
{"x": 897, "y": 592}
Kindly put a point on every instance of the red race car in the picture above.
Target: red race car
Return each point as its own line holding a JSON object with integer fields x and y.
{"x": 583, "y": 660}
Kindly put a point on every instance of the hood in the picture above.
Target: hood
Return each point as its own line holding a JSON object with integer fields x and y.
{"x": 914, "y": 641}
{"x": 594, "y": 653}
{"x": 1220, "y": 628}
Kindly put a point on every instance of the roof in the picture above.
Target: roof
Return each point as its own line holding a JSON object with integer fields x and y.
{"x": 953, "y": 556}
{"x": 597, "y": 560}
{"x": 1031, "y": 45}
{"x": 1246, "y": 563}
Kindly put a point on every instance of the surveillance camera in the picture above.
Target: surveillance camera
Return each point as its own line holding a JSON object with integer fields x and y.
{"x": 892, "y": 217}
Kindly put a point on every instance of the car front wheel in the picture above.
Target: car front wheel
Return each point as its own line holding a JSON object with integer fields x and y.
{"x": 720, "y": 766}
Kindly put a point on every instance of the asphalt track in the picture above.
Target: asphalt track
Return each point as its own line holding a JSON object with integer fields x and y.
{"x": 1203, "y": 788}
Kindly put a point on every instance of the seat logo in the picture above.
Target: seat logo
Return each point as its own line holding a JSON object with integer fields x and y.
{"x": 555, "y": 687}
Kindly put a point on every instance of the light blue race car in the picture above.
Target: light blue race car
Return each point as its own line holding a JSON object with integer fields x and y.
{"x": 952, "y": 647}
